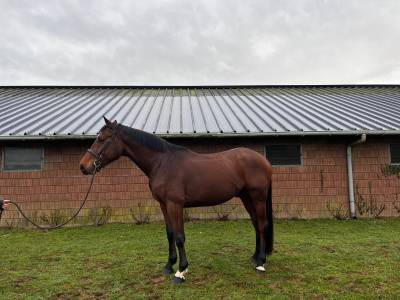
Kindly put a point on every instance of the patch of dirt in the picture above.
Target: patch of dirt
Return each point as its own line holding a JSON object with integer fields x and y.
{"x": 86, "y": 281}
{"x": 296, "y": 279}
{"x": 318, "y": 296}
{"x": 199, "y": 281}
{"x": 92, "y": 264}
{"x": 80, "y": 294}
{"x": 275, "y": 286}
{"x": 332, "y": 279}
{"x": 50, "y": 258}
{"x": 22, "y": 281}
{"x": 353, "y": 287}
{"x": 328, "y": 249}
{"x": 65, "y": 296}
{"x": 157, "y": 280}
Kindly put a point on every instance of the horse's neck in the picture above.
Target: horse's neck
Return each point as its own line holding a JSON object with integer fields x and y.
{"x": 146, "y": 159}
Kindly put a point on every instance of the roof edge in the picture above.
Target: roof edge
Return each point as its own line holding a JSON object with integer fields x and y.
{"x": 213, "y": 135}
{"x": 205, "y": 86}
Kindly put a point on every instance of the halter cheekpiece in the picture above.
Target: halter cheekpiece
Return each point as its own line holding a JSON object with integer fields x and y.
{"x": 99, "y": 156}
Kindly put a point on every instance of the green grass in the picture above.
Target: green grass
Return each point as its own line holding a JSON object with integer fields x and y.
{"x": 312, "y": 259}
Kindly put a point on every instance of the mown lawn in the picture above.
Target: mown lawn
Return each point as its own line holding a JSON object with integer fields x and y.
{"x": 312, "y": 259}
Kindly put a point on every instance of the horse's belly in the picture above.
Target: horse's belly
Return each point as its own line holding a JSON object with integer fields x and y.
{"x": 205, "y": 202}
{"x": 211, "y": 193}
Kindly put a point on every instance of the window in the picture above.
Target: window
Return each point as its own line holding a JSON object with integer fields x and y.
{"x": 21, "y": 158}
{"x": 395, "y": 153}
{"x": 283, "y": 155}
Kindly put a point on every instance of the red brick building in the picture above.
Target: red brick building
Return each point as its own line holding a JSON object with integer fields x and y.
{"x": 307, "y": 132}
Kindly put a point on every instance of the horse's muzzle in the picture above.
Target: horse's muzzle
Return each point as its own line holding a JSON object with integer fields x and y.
{"x": 85, "y": 171}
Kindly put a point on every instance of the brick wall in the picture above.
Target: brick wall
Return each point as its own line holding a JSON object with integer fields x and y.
{"x": 298, "y": 192}
{"x": 305, "y": 191}
{"x": 377, "y": 184}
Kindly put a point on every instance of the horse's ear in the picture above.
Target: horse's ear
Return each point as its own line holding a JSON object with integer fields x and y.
{"x": 106, "y": 120}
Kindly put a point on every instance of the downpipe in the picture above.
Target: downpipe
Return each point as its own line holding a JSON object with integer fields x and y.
{"x": 352, "y": 204}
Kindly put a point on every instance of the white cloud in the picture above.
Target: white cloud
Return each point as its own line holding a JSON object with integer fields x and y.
{"x": 199, "y": 42}
{"x": 265, "y": 47}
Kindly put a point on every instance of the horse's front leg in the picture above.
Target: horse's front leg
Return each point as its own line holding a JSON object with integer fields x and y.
{"x": 175, "y": 215}
{"x": 172, "y": 257}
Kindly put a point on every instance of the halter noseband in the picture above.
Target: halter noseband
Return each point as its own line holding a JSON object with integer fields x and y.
{"x": 98, "y": 156}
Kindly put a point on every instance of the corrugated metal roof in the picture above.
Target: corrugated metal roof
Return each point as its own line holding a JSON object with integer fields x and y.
{"x": 191, "y": 111}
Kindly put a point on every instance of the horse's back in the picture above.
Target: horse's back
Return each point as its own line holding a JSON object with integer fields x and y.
{"x": 253, "y": 168}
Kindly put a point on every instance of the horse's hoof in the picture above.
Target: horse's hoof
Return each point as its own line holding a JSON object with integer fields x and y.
{"x": 178, "y": 280}
{"x": 180, "y": 276}
{"x": 260, "y": 269}
{"x": 168, "y": 271}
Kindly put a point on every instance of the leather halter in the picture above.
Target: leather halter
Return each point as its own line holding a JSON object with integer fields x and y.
{"x": 99, "y": 156}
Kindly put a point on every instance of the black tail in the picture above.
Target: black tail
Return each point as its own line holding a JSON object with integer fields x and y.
{"x": 269, "y": 232}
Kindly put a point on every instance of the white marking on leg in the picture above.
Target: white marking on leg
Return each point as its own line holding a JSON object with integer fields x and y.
{"x": 260, "y": 268}
{"x": 182, "y": 274}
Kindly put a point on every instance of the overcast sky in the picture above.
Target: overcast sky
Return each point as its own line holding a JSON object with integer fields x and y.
{"x": 199, "y": 42}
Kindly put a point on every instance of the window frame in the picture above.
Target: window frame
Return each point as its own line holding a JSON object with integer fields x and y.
{"x": 390, "y": 154}
{"x": 285, "y": 144}
{"x": 3, "y": 161}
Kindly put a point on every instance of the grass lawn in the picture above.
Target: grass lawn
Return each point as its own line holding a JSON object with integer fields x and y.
{"x": 312, "y": 259}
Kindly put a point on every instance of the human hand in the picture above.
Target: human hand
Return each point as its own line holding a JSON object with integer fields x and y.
{"x": 4, "y": 204}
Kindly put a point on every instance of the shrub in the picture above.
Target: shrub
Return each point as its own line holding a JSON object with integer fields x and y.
{"x": 100, "y": 215}
{"x": 186, "y": 215}
{"x": 368, "y": 207}
{"x": 337, "y": 210}
{"x": 54, "y": 218}
{"x": 296, "y": 213}
{"x": 224, "y": 211}
{"x": 396, "y": 206}
{"x": 140, "y": 214}
{"x": 391, "y": 170}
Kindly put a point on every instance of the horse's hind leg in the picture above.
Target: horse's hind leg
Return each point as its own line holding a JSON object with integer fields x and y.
{"x": 246, "y": 200}
{"x": 258, "y": 199}
{"x": 172, "y": 257}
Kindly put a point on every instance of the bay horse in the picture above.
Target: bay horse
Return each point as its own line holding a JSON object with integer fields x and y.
{"x": 179, "y": 178}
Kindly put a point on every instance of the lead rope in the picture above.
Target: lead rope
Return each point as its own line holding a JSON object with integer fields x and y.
{"x": 51, "y": 227}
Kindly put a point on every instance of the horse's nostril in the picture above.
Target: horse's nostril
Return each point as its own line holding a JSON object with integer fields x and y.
{"x": 83, "y": 170}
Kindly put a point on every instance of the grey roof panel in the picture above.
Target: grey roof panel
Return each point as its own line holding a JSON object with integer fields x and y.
{"x": 186, "y": 114}
{"x": 78, "y": 111}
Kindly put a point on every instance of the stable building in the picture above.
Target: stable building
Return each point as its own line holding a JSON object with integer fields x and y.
{"x": 335, "y": 149}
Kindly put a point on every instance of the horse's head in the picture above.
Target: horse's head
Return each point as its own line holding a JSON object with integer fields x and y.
{"x": 105, "y": 149}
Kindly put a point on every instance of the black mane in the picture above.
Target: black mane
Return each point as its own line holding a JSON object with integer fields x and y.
{"x": 150, "y": 140}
